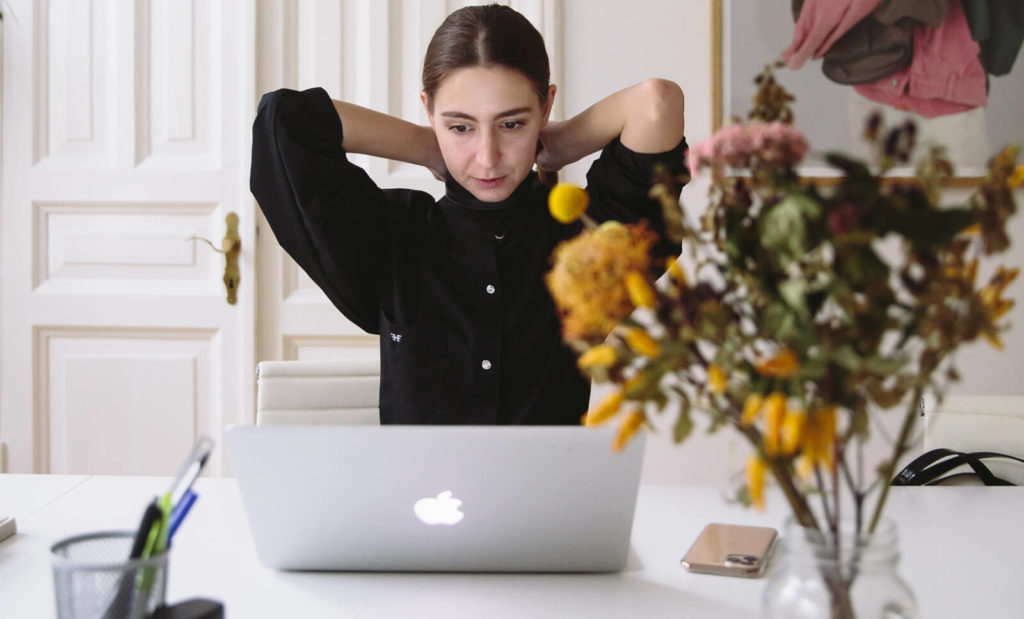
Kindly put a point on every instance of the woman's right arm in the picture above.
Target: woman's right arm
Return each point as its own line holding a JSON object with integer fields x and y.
{"x": 368, "y": 132}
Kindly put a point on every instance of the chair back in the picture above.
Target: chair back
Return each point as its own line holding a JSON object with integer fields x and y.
{"x": 336, "y": 391}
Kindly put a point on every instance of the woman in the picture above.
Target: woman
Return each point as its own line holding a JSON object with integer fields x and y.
{"x": 468, "y": 331}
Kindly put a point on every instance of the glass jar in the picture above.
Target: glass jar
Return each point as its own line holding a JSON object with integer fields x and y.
{"x": 818, "y": 578}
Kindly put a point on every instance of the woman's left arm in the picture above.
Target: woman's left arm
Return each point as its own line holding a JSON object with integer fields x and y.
{"x": 646, "y": 117}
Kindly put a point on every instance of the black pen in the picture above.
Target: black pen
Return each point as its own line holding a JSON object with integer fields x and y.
{"x": 190, "y": 469}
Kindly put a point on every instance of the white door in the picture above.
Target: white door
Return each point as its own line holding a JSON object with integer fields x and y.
{"x": 370, "y": 53}
{"x": 126, "y": 130}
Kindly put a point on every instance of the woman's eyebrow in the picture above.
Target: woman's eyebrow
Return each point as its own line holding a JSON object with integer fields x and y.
{"x": 464, "y": 116}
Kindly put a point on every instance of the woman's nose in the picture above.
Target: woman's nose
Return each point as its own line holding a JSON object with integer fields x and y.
{"x": 488, "y": 154}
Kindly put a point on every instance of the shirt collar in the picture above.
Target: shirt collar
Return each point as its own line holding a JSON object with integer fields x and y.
{"x": 464, "y": 214}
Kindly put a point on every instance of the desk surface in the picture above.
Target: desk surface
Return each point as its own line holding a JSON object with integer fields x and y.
{"x": 960, "y": 548}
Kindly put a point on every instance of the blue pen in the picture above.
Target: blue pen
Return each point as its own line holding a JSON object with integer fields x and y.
{"x": 179, "y": 512}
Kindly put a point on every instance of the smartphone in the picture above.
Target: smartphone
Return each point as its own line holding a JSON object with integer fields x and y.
{"x": 731, "y": 550}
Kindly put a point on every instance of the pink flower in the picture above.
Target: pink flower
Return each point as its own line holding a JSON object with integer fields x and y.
{"x": 748, "y": 145}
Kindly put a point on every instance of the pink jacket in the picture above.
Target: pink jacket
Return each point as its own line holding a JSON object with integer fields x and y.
{"x": 820, "y": 24}
{"x": 945, "y": 76}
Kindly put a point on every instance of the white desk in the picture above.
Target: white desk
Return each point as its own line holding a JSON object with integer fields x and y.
{"x": 962, "y": 550}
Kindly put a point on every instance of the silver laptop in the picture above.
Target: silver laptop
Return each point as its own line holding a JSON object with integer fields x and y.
{"x": 437, "y": 498}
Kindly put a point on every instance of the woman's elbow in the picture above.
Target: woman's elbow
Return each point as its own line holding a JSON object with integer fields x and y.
{"x": 663, "y": 103}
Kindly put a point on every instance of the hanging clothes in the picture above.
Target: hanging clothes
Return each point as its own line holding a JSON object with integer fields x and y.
{"x": 882, "y": 43}
{"x": 945, "y": 75}
{"x": 820, "y": 24}
{"x": 998, "y": 27}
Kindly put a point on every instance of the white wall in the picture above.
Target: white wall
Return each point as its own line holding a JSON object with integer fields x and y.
{"x": 609, "y": 45}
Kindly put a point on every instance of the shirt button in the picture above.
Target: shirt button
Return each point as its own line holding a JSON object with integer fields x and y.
{"x": 499, "y": 235}
{"x": 490, "y": 289}
{"x": 485, "y": 364}
{"x": 894, "y": 82}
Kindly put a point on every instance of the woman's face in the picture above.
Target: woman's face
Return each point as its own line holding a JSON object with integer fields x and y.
{"x": 487, "y": 121}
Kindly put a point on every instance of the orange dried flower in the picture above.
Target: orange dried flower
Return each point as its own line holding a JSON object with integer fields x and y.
{"x": 588, "y": 279}
{"x": 629, "y": 426}
{"x": 716, "y": 378}
{"x": 640, "y": 292}
{"x": 600, "y": 356}
{"x": 756, "y": 469}
{"x": 642, "y": 343}
{"x": 782, "y": 365}
{"x": 605, "y": 409}
{"x": 675, "y": 271}
{"x": 774, "y": 413}
{"x": 751, "y": 409}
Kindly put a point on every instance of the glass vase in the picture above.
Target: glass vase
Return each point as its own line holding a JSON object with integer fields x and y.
{"x": 850, "y": 579}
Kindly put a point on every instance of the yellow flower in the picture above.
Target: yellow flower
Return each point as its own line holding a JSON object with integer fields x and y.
{"x": 716, "y": 378}
{"x": 642, "y": 343}
{"x": 991, "y": 298}
{"x": 756, "y": 468}
{"x": 1017, "y": 178}
{"x": 972, "y": 229}
{"x": 600, "y": 356}
{"x": 805, "y": 465}
{"x": 567, "y": 202}
{"x": 967, "y": 273}
{"x": 818, "y": 439}
{"x": 630, "y": 424}
{"x": 587, "y": 279}
{"x": 792, "y": 430}
{"x": 675, "y": 271}
{"x": 751, "y": 409}
{"x": 782, "y": 365}
{"x": 640, "y": 292}
{"x": 605, "y": 409}
{"x": 774, "y": 413}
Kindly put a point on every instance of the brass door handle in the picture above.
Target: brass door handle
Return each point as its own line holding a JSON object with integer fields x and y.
{"x": 231, "y": 247}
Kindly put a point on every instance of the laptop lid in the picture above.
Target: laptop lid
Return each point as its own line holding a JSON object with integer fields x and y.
{"x": 437, "y": 498}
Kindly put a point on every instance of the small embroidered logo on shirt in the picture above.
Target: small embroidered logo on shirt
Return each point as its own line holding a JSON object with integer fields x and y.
{"x": 396, "y": 337}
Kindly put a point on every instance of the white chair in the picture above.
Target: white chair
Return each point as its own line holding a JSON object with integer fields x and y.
{"x": 980, "y": 423}
{"x": 337, "y": 391}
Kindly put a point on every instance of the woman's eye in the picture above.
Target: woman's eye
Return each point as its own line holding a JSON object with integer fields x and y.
{"x": 459, "y": 128}
{"x": 512, "y": 124}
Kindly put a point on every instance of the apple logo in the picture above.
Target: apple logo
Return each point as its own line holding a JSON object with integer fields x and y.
{"x": 442, "y": 509}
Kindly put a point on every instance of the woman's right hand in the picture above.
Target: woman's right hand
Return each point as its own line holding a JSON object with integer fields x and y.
{"x": 550, "y": 157}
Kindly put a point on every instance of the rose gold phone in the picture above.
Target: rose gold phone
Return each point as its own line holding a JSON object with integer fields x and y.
{"x": 731, "y": 550}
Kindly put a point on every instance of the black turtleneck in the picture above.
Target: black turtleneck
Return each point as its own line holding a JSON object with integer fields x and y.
{"x": 455, "y": 288}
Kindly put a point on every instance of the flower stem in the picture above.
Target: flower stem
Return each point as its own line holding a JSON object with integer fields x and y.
{"x": 897, "y": 453}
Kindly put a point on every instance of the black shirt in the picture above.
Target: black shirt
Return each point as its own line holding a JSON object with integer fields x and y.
{"x": 455, "y": 288}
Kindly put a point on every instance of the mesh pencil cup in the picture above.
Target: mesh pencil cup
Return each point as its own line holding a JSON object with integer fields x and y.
{"x": 93, "y": 577}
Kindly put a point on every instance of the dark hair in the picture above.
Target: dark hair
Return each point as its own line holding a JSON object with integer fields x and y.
{"x": 484, "y": 36}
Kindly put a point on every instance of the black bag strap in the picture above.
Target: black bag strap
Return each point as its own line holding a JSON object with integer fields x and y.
{"x": 927, "y": 468}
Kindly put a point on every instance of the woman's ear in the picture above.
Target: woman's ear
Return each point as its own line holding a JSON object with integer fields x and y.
{"x": 425, "y": 100}
{"x": 550, "y": 102}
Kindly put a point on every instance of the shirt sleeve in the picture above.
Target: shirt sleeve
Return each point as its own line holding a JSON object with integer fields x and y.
{"x": 618, "y": 183}
{"x": 327, "y": 213}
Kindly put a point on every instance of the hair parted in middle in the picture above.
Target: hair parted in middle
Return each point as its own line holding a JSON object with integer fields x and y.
{"x": 484, "y": 36}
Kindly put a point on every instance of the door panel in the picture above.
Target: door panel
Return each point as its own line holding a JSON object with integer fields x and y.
{"x": 126, "y": 131}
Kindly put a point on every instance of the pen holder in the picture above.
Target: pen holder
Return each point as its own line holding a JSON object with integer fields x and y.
{"x": 93, "y": 577}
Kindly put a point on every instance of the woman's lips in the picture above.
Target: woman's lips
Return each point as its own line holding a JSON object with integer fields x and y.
{"x": 490, "y": 183}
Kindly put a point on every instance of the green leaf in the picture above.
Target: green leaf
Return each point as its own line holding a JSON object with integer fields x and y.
{"x": 847, "y": 358}
{"x": 783, "y": 227}
{"x": 859, "y": 422}
{"x": 794, "y": 291}
{"x": 684, "y": 423}
{"x": 885, "y": 365}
